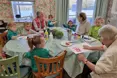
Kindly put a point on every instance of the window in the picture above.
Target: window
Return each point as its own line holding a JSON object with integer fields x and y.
{"x": 72, "y": 10}
{"x": 87, "y": 7}
{"x": 22, "y": 11}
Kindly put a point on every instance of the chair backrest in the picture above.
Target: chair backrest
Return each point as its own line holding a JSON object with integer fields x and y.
{"x": 9, "y": 67}
{"x": 50, "y": 66}
{"x": 3, "y": 38}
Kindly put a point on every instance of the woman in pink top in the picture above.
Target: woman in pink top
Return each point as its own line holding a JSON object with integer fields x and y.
{"x": 39, "y": 22}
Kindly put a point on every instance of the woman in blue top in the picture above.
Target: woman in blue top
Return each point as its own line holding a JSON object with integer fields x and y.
{"x": 51, "y": 23}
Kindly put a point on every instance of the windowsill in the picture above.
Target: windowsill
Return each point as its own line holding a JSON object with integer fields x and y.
{"x": 22, "y": 21}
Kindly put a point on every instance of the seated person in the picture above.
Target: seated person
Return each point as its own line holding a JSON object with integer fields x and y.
{"x": 39, "y": 43}
{"x": 12, "y": 34}
{"x": 93, "y": 32}
{"x": 26, "y": 29}
{"x": 70, "y": 25}
{"x": 51, "y": 23}
{"x": 39, "y": 23}
{"x": 2, "y": 26}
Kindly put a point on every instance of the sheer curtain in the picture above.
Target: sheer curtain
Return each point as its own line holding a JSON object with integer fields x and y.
{"x": 62, "y": 7}
{"x": 101, "y": 8}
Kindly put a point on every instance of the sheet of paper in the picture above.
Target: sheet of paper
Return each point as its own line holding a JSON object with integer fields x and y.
{"x": 78, "y": 48}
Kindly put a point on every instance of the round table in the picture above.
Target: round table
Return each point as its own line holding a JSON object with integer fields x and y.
{"x": 71, "y": 65}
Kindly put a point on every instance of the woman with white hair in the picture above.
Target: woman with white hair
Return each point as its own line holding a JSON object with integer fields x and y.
{"x": 106, "y": 66}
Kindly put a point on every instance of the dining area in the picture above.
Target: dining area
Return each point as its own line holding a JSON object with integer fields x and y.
{"x": 72, "y": 66}
{"x": 58, "y": 39}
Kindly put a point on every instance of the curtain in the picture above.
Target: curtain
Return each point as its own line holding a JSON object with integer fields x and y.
{"x": 101, "y": 8}
{"x": 79, "y": 9}
{"x": 62, "y": 7}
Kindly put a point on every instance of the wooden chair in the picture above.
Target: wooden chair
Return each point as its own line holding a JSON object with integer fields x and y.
{"x": 3, "y": 39}
{"x": 4, "y": 64}
{"x": 9, "y": 68}
{"x": 50, "y": 66}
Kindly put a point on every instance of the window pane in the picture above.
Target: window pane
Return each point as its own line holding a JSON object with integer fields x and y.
{"x": 17, "y": 9}
{"x": 72, "y": 10}
{"x": 26, "y": 10}
{"x": 25, "y": 2}
{"x": 88, "y": 7}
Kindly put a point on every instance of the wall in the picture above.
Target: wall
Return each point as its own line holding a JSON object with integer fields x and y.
{"x": 6, "y": 10}
{"x": 46, "y": 6}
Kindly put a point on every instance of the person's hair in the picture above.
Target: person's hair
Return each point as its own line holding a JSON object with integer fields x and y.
{"x": 99, "y": 18}
{"x": 50, "y": 16}
{"x": 11, "y": 24}
{"x": 2, "y": 21}
{"x": 34, "y": 41}
{"x": 70, "y": 21}
{"x": 38, "y": 13}
{"x": 108, "y": 31}
{"x": 83, "y": 16}
{"x": 27, "y": 23}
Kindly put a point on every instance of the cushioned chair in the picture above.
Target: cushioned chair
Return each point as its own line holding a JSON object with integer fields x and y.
{"x": 50, "y": 67}
{"x": 9, "y": 68}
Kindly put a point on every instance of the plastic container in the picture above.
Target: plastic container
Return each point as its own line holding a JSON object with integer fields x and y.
{"x": 51, "y": 36}
{"x": 46, "y": 35}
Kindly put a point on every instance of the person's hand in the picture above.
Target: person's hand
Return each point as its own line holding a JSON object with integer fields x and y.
{"x": 29, "y": 32}
{"x": 81, "y": 57}
{"x": 86, "y": 47}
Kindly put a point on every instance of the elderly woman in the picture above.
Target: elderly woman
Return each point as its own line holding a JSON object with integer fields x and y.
{"x": 39, "y": 23}
{"x": 106, "y": 66}
{"x": 26, "y": 29}
{"x": 84, "y": 24}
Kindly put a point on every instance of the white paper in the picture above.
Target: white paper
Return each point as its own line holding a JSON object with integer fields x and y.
{"x": 78, "y": 48}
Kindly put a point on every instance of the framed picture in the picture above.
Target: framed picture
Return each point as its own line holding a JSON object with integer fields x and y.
{"x": 114, "y": 7}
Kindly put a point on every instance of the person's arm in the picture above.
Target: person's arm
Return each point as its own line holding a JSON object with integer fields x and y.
{"x": 35, "y": 26}
{"x": 19, "y": 30}
{"x": 54, "y": 22}
{"x": 87, "y": 28}
{"x": 50, "y": 23}
{"x": 14, "y": 37}
{"x": 82, "y": 58}
{"x": 33, "y": 32}
{"x": 94, "y": 47}
{"x": 90, "y": 31}
{"x": 27, "y": 55}
{"x": 105, "y": 64}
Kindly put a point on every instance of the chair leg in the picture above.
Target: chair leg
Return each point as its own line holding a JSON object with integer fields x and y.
{"x": 61, "y": 74}
{"x": 33, "y": 76}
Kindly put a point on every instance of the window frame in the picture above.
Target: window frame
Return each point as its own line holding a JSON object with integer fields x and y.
{"x": 15, "y": 10}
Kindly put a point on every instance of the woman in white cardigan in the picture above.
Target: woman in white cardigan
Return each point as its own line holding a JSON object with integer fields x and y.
{"x": 84, "y": 25}
{"x": 106, "y": 67}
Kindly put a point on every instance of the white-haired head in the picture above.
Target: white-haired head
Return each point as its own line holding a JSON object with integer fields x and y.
{"x": 108, "y": 31}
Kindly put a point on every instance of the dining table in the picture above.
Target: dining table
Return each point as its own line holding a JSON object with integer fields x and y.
{"x": 72, "y": 65}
